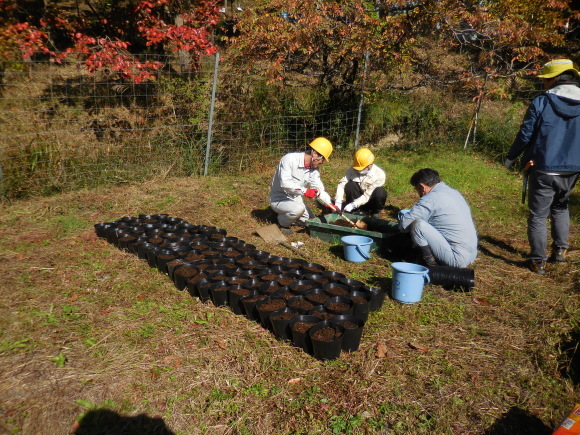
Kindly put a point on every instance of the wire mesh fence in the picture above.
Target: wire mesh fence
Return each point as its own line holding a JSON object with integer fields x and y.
{"x": 63, "y": 128}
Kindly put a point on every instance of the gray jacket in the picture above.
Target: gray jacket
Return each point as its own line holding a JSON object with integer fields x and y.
{"x": 448, "y": 212}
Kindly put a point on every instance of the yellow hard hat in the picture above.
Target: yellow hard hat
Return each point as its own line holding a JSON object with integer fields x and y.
{"x": 362, "y": 158}
{"x": 557, "y": 67}
{"x": 322, "y": 146}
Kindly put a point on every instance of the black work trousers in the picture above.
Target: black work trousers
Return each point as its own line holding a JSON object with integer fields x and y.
{"x": 376, "y": 203}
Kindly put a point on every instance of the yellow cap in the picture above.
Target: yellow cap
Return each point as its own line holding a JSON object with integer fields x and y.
{"x": 362, "y": 158}
{"x": 557, "y": 67}
{"x": 322, "y": 146}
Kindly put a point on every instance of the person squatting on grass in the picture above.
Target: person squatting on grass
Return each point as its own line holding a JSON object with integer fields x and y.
{"x": 549, "y": 138}
{"x": 440, "y": 223}
{"x": 297, "y": 175}
{"x": 363, "y": 185}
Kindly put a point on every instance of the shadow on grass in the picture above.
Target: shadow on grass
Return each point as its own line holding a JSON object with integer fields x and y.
{"x": 504, "y": 246}
{"x": 518, "y": 422}
{"x": 265, "y": 216}
{"x": 569, "y": 361}
{"x": 104, "y": 421}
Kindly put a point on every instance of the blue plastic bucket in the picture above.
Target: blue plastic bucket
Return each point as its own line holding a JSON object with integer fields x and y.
{"x": 357, "y": 248}
{"x": 408, "y": 282}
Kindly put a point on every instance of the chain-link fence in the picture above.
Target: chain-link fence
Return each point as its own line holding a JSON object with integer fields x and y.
{"x": 62, "y": 128}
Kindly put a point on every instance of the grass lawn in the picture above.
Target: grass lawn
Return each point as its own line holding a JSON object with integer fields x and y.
{"x": 92, "y": 338}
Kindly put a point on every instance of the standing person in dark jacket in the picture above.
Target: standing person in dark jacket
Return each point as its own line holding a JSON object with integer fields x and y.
{"x": 549, "y": 138}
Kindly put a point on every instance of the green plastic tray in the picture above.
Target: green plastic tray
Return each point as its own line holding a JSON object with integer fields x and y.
{"x": 379, "y": 230}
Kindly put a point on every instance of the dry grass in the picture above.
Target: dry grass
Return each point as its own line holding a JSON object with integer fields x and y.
{"x": 136, "y": 346}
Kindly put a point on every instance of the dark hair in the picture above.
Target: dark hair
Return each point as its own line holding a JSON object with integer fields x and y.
{"x": 427, "y": 176}
{"x": 567, "y": 78}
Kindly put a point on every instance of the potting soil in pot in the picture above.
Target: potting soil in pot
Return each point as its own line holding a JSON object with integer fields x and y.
{"x": 190, "y": 249}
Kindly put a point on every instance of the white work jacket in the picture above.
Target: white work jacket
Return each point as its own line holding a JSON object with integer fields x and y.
{"x": 376, "y": 177}
{"x": 292, "y": 178}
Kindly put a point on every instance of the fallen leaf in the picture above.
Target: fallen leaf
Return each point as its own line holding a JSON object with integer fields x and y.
{"x": 419, "y": 348}
{"x": 381, "y": 350}
{"x": 140, "y": 298}
{"x": 73, "y": 297}
{"x": 482, "y": 302}
{"x": 107, "y": 311}
{"x": 294, "y": 381}
{"x": 19, "y": 256}
{"x": 221, "y": 344}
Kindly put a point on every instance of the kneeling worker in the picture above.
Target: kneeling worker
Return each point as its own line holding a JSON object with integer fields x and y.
{"x": 363, "y": 186}
{"x": 297, "y": 175}
{"x": 440, "y": 223}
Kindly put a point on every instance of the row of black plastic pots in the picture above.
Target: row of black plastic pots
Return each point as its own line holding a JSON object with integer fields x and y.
{"x": 320, "y": 311}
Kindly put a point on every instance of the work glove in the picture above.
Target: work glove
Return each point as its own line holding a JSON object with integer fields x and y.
{"x": 508, "y": 163}
{"x": 333, "y": 207}
{"x": 402, "y": 213}
{"x": 349, "y": 207}
{"x": 311, "y": 193}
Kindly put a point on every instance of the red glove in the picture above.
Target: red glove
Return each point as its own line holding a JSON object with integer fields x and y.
{"x": 334, "y": 207}
{"x": 311, "y": 193}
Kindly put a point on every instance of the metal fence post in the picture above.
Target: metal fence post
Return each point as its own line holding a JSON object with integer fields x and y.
{"x": 210, "y": 124}
{"x": 360, "y": 104}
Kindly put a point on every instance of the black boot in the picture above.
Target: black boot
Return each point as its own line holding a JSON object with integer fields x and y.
{"x": 428, "y": 256}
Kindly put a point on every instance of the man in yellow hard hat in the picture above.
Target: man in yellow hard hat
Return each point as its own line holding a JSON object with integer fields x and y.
{"x": 363, "y": 186}
{"x": 549, "y": 139}
{"x": 296, "y": 176}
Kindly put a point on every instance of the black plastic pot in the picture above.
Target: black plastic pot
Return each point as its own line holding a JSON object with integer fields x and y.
{"x": 134, "y": 247}
{"x": 101, "y": 229}
{"x": 300, "y": 304}
{"x": 143, "y": 247}
{"x": 320, "y": 311}
{"x": 267, "y": 306}
{"x": 302, "y": 286}
{"x": 299, "y": 326}
{"x": 353, "y": 328}
{"x": 269, "y": 287}
{"x": 249, "y": 302}
{"x": 173, "y": 264}
{"x": 319, "y": 278}
{"x": 288, "y": 278}
{"x": 336, "y": 289}
{"x": 448, "y": 277}
{"x": 163, "y": 257}
{"x": 124, "y": 241}
{"x": 280, "y": 321}
{"x": 361, "y": 304}
{"x": 152, "y": 255}
{"x": 339, "y": 305}
{"x": 317, "y": 296}
{"x": 352, "y": 283}
{"x": 326, "y": 338}
{"x": 334, "y": 276}
{"x": 235, "y": 294}
{"x": 309, "y": 268}
{"x": 192, "y": 284}
{"x": 218, "y": 292}
{"x": 378, "y": 296}
{"x": 202, "y": 288}
{"x": 182, "y": 274}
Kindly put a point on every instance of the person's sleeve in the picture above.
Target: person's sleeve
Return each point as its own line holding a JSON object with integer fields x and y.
{"x": 340, "y": 189}
{"x": 526, "y": 132}
{"x": 316, "y": 183}
{"x": 288, "y": 182}
{"x": 378, "y": 180}
{"x": 421, "y": 210}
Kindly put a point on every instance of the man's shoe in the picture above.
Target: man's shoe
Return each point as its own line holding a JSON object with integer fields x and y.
{"x": 559, "y": 255}
{"x": 538, "y": 266}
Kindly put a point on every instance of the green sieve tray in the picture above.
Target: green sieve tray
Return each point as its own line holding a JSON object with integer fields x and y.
{"x": 379, "y": 230}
